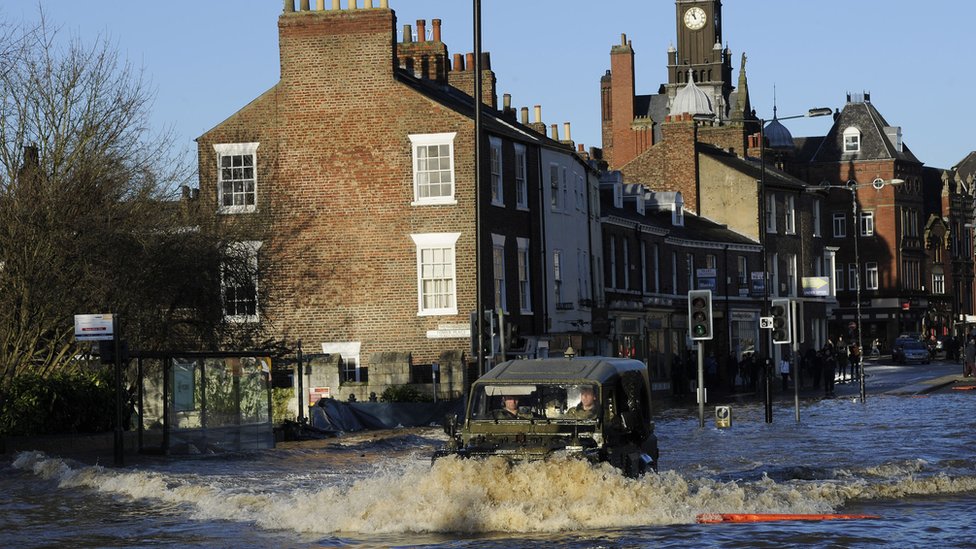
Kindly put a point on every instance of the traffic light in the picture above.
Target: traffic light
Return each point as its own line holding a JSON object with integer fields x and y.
{"x": 700, "y": 314}
{"x": 782, "y": 322}
{"x": 489, "y": 326}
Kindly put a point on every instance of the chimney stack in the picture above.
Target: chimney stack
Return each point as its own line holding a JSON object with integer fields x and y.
{"x": 437, "y": 29}
{"x": 537, "y": 124}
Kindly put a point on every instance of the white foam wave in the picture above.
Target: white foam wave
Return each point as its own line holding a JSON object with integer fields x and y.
{"x": 454, "y": 495}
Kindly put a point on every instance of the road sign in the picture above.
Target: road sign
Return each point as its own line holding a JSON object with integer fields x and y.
{"x": 94, "y": 327}
{"x": 815, "y": 286}
{"x": 757, "y": 286}
{"x": 766, "y": 322}
{"x": 723, "y": 416}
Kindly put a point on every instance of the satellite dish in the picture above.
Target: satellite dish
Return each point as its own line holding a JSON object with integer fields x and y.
{"x": 878, "y": 183}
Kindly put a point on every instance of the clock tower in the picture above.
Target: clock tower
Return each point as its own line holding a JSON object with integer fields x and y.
{"x": 699, "y": 32}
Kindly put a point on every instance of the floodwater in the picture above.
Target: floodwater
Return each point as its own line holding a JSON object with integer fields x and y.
{"x": 909, "y": 460}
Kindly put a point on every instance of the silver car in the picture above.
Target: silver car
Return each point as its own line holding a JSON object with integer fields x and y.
{"x": 911, "y": 351}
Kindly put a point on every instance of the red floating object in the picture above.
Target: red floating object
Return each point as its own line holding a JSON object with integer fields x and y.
{"x": 714, "y": 518}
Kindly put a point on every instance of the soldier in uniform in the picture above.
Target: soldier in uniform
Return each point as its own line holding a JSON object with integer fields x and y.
{"x": 510, "y": 409}
{"x": 588, "y": 407}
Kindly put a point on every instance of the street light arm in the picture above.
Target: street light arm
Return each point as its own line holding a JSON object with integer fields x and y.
{"x": 851, "y": 186}
{"x": 812, "y": 113}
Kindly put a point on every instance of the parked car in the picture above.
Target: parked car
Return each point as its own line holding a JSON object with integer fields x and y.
{"x": 910, "y": 351}
{"x": 548, "y": 414}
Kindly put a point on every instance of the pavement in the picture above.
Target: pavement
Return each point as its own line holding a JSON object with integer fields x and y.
{"x": 842, "y": 388}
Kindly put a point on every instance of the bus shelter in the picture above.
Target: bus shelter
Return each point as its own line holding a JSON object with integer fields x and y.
{"x": 203, "y": 402}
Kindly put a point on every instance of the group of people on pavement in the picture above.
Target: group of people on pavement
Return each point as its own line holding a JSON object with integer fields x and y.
{"x": 969, "y": 357}
{"x": 837, "y": 361}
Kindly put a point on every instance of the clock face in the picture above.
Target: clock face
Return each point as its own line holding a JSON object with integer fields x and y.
{"x": 695, "y": 18}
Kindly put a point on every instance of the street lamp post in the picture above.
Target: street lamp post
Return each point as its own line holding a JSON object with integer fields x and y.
{"x": 857, "y": 291}
{"x": 821, "y": 111}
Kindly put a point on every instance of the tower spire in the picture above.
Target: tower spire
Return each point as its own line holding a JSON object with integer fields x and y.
{"x": 743, "y": 107}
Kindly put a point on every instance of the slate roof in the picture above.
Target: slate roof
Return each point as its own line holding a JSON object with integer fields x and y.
{"x": 875, "y": 145}
{"x": 805, "y": 148}
{"x": 492, "y": 120}
{"x": 695, "y": 228}
{"x": 966, "y": 167}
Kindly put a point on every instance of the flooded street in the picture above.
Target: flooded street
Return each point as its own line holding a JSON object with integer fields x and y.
{"x": 909, "y": 460}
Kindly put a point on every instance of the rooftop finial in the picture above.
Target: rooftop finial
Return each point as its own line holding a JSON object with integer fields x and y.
{"x": 774, "y": 101}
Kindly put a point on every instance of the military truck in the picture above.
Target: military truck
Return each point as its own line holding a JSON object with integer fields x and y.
{"x": 595, "y": 408}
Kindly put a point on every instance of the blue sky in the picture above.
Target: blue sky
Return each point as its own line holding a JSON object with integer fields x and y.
{"x": 206, "y": 59}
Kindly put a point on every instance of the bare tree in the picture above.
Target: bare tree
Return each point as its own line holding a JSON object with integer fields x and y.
{"x": 91, "y": 214}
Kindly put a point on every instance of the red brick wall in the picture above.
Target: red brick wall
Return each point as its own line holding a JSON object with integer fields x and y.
{"x": 671, "y": 164}
{"x": 335, "y": 180}
{"x": 622, "y": 147}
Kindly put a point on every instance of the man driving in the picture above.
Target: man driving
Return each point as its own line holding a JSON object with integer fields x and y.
{"x": 510, "y": 409}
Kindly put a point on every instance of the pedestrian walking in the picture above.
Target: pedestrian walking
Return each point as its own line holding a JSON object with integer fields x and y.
{"x": 810, "y": 368}
{"x": 969, "y": 358}
{"x": 784, "y": 371}
{"x": 855, "y": 359}
{"x": 829, "y": 368}
{"x": 678, "y": 385}
{"x": 842, "y": 358}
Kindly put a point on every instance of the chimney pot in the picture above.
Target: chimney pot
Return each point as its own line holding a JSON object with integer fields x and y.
{"x": 580, "y": 148}
{"x": 320, "y": 5}
{"x": 525, "y": 115}
{"x": 507, "y": 101}
{"x": 485, "y": 60}
{"x": 407, "y": 33}
{"x": 469, "y": 60}
{"x": 566, "y": 131}
{"x": 384, "y": 4}
{"x": 303, "y": 5}
{"x": 289, "y": 6}
{"x": 623, "y": 39}
{"x": 538, "y": 113}
{"x": 555, "y": 131}
{"x": 421, "y": 30}
{"x": 436, "y": 23}
{"x": 351, "y": 4}
{"x": 335, "y": 5}
{"x": 458, "y": 62}
{"x": 368, "y": 4}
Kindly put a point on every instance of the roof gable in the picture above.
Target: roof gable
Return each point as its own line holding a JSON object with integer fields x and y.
{"x": 875, "y": 143}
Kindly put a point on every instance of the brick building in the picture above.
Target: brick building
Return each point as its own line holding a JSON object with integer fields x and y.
{"x": 863, "y": 150}
{"x": 359, "y": 163}
{"x": 655, "y": 253}
{"x": 698, "y": 137}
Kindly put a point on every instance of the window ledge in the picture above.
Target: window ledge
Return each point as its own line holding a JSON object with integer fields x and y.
{"x": 433, "y": 202}
{"x": 236, "y": 209}
{"x": 438, "y": 312}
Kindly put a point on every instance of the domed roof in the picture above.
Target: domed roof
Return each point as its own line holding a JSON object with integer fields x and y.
{"x": 777, "y": 136}
{"x": 690, "y": 99}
